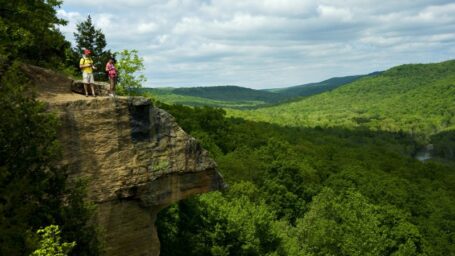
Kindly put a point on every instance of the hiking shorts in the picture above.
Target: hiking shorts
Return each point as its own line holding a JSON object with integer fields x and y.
{"x": 87, "y": 78}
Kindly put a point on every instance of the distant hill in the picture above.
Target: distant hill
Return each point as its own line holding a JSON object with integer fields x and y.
{"x": 316, "y": 88}
{"x": 232, "y": 96}
{"x": 416, "y": 98}
{"x": 230, "y": 93}
{"x": 215, "y": 96}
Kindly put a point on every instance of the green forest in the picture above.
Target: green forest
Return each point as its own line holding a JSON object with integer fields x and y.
{"x": 311, "y": 191}
{"x": 229, "y": 96}
{"x": 334, "y": 173}
{"x": 316, "y": 88}
{"x": 331, "y": 174}
{"x": 37, "y": 206}
{"x": 416, "y": 99}
{"x": 167, "y": 95}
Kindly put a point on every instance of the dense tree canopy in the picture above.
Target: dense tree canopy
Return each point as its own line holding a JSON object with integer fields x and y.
{"x": 416, "y": 99}
{"x": 33, "y": 189}
{"x": 311, "y": 191}
{"x": 31, "y": 186}
{"x": 28, "y": 31}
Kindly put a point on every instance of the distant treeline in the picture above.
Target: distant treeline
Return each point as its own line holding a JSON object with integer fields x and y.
{"x": 240, "y": 97}
{"x": 230, "y": 93}
{"x": 416, "y": 99}
{"x": 320, "y": 87}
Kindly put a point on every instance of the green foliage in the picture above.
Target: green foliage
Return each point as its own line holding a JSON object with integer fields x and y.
{"x": 230, "y": 93}
{"x": 320, "y": 87}
{"x": 129, "y": 66}
{"x": 229, "y": 226}
{"x": 167, "y": 96}
{"x": 76, "y": 218}
{"x": 348, "y": 224}
{"x": 27, "y": 177}
{"x": 33, "y": 189}
{"x": 88, "y": 37}
{"x": 444, "y": 144}
{"x": 50, "y": 243}
{"x": 31, "y": 186}
{"x": 311, "y": 191}
{"x": 28, "y": 31}
{"x": 417, "y": 99}
{"x": 229, "y": 96}
{"x": 204, "y": 122}
{"x": 240, "y": 226}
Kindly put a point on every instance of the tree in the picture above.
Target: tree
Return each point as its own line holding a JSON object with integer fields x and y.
{"x": 88, "y": 37}
{"x": 129, "y": 64}
{"x": 347, "y": 223}
{"x": 31, "y": 185}
{"x": 27, "y": 177}
{"x": 50, "y": 243}
{"x": 213, "y": 224}
{"x": 28, "y": 31}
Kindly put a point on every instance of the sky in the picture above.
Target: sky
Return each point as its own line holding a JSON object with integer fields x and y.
{"x": 268, "y": 43}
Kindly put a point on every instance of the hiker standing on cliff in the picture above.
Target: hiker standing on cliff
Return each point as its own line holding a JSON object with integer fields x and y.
{"x": 112, "y": 74}
{"x": 87, "y": 67}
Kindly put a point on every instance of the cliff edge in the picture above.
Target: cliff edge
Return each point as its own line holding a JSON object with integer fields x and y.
{"x": 135, "y": 157}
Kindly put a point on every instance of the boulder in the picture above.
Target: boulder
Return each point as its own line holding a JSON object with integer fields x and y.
{"x": 101, "y": 88}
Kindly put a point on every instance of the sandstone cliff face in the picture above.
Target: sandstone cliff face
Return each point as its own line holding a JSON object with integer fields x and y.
{"x": 135, "y": 157}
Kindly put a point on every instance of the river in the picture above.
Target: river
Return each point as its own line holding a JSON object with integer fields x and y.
{"x": 424, "y": 154}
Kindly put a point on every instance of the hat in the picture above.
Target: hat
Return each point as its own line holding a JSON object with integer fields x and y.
{"x": 87, "y": 51}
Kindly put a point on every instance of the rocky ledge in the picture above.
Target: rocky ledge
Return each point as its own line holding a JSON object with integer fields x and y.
{"x": 134, "y": 157}
{"x": 137, "y": 161}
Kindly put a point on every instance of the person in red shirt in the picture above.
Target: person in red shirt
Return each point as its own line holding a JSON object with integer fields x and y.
{"x": 112, "y": 74}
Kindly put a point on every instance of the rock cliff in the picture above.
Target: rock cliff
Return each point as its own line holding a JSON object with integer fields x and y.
{"x": 135, "y": 157}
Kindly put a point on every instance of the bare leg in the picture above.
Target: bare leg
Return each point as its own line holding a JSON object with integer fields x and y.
{"x": 114, "y": 81}
{"x": 112, "y": 86}
{"x": 85, "y": 89}
{"x": 93, "y": 89}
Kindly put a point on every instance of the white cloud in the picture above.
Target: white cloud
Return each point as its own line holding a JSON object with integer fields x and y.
{"x": 331, "y": 12}
{"x": 269, "y": 43}
{"x": 147, "y": 27}
{"x": 72, "y": 18}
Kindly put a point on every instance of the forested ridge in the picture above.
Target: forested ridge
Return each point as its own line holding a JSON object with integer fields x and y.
{"x": 216, "y": 96}
{"x": 229, "y": 93}
{"x": 230, "y": 96}
{"x": 319, "y": 87}
{"x": 415, "y": 98}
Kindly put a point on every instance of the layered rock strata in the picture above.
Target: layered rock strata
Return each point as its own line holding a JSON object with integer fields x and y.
{"x": 101, "y": 88}
{"x": 137, "y": 160}
{"x": 134, "y": 157}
